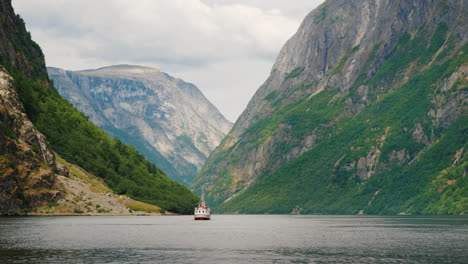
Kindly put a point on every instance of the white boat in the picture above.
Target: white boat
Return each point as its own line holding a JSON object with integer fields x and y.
{"x": 202, "y": 211}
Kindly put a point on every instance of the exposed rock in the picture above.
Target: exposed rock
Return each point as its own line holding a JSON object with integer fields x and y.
{"x": 167, "y": 119}
{"x": 400, "y": 157}
{"x": 62, "y": 170}
{"x": 353, "y": 107}
{"x": 459, "y": 75}
{"x": 419, "y": 136}
{"x": 27, "y": 178}
{"x": 458, "y": 156}
{"x": 349, "y": 166}
{"x": 358, "y": 102}
{"x": 451, "y": 105}
{"x": 366, "y": 166}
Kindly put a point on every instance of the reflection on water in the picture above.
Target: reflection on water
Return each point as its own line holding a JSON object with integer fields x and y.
{"x": 234, "y": 239}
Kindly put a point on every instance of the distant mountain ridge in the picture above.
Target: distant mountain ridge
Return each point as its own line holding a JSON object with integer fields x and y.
{"x": 167, "y": 119}
{"x": 365, "y": 111}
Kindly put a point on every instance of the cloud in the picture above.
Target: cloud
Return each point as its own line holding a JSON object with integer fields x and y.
{"x": 217, "y": 40}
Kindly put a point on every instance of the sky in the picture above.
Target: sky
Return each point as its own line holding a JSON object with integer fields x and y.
{"x": 225, "y": 47}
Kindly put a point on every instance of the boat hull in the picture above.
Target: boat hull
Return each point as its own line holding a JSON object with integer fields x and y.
{"x": 202, "y": 217}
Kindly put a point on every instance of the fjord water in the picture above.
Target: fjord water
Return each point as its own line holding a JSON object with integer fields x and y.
{"x": 234, "y": 239}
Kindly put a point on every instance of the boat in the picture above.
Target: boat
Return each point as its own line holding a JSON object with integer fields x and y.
{"x": 202, "y": 211}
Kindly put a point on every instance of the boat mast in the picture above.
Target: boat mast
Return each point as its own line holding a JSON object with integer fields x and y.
{"x": 203, "y": 196}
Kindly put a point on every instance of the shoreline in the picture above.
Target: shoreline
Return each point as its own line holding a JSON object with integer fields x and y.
{"x": 139, "y": 213}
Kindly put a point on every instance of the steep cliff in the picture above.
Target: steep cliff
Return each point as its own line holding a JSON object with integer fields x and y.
{"x": 27, "y": 165}
{"x": 168, "y": 120}
{"x": 365, "y": 111}
{"x": 35, "y": 122}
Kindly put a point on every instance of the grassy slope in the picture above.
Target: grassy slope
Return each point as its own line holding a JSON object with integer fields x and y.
{"x": 86, "y": 194}
{"x": 313, "y": 183}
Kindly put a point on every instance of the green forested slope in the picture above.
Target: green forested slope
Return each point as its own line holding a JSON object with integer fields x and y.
{"x": 70, "y": 133}
{"x": 409, "y": 175}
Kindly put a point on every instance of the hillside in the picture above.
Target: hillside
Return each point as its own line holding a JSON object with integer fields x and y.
{"x": 86, "y": 194}
{"x": 365, "y": 111}
{"x": 168, "y": 120}
{"x": 35, "y": 122}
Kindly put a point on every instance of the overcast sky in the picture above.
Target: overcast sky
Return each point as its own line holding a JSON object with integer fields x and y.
{"x": 225, "y": 47}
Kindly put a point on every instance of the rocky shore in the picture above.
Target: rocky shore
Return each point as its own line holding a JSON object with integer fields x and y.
{"x": 87, "y": 195}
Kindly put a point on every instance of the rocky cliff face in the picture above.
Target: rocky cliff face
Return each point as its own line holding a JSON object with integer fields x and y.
{"x": 28, "y": 170}
{"x": 359, "y": 100}
{"x": 165, "y": 118}
{"x": 339, "y": 37}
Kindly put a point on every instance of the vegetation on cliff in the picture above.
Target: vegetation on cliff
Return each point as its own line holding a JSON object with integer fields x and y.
{"x": 392, "y": 154}
{"x": 72, "y": 135}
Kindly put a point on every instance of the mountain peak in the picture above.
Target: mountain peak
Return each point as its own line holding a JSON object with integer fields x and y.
{"x": 123, "y": 68}
{"x": 169, "y": 120}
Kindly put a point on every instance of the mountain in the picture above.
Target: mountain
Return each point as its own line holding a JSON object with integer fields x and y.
{"x": 365, "y": 111}
{"x": 168, "y": 120}
{"x": 45, "y": 143}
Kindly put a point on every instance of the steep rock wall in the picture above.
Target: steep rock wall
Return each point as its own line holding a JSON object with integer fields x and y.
{"x": 358, "y": 100}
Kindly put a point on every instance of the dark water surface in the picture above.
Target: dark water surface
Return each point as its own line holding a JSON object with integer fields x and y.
{"x": 234, "y": 239}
